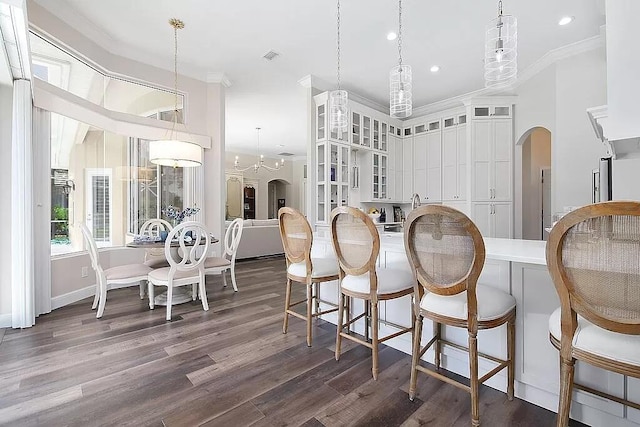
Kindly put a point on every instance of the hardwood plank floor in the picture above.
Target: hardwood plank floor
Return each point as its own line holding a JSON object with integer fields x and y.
{"x": 230, "y": 366}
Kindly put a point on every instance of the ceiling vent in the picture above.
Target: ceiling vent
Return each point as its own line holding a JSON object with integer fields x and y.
{"x": 285, "y": 154}
{"x": 271, "y": 55}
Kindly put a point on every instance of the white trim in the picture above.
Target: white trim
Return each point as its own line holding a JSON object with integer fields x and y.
{"x": 219, "y": 77}
{"x": 52, "y": 98}
{"x": 80, "y": 294}
{"x": 5, "y": 320}
{"x": 89, "y": 202}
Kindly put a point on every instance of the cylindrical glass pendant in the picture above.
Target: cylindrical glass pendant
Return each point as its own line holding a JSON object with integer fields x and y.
{"x": 400, "y": 98}
{"x": 501, "y": 53}
{"x": 338, "y": 111}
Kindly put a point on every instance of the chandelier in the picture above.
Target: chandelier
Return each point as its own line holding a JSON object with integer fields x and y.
{"x": 400, "y": 103}
{"x": 338, "y": 99}
{"x": 173, "y": 151}
{"x": 501, "y": 43}
{"x": 260, "y": 163}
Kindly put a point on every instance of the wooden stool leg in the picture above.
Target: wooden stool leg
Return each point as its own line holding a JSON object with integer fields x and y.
{"x": 437, "y": 332}
{"x": 511, "y": 351}
{"x": 367, "y": 319}
{"x": 473, "y": 367}
{"x": 374, "y": 338}
{"x": 348, "y": 309}
{"x": 341, "y": 303}
{"x": 317, "y": 299}
{"x": 309, "y": 311}
{"x": 287, "y": 303}
{"x": 566, "y": 388}
{"x": 415, "y": 356}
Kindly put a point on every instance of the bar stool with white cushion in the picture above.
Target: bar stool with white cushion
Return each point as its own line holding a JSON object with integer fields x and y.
{"x": 154, "y": 257}
{"x": 446, "y": 252}
{"x": 120, "y": 275}
{"x": 219, "y": 265}
{"x": 593, "y": 255}
{"x": 186, "y": 265}
{"x": 297, "y": 240}
{"x": 356, "y": 243}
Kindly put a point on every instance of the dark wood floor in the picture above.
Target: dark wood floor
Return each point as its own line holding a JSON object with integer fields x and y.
{"x": 231, "y": 366}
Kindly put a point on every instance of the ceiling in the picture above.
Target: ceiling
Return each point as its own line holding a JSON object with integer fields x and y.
{"x": 232, "y": 37}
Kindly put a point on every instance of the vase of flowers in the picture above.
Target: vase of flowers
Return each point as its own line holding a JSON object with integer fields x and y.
{"x": 176, "y": 215}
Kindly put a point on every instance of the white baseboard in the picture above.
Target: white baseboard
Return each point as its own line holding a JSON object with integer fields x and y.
{"x": 5, "y": 320}
{"x": 73, "y": 296}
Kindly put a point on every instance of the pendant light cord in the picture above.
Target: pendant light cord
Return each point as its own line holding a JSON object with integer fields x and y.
{"x": 177, "y": 25}
{"x": 400, "y": 34}
{"x": 500, "y": 8}
{"x": 338, "y": 37}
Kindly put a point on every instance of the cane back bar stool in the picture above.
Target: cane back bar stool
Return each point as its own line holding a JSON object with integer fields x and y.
{"x": 593, "y": 255}
{"x": 446, "y": 252}
{"x": 357, "y": 244}
{"x": 297, "y": 240}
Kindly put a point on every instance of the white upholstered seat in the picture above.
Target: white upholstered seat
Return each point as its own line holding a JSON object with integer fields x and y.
{"x": 154, "y": 257}
{"x": 602, "y": 342}
{"x": 390, "y": 281}
{"x": 322, "y": 267}
{"x": 126, "y": 271}
{"x": 492, "y": 304}
{"x": 156, "y": 262}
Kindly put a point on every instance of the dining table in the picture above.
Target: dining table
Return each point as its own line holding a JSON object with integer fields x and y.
{"x": 180, "y": 295}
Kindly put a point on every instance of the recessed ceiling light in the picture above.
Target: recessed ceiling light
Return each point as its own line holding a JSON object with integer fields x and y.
{"x": 435, "y": 69}
{"x": 280, "y": 145}
{"x": 391, "y": 36}
{"x": 565, "y": 20}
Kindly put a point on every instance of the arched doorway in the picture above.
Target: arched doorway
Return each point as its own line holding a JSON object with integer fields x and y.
{"x": 276, "y": 196}
{"x": 535, "y": 186}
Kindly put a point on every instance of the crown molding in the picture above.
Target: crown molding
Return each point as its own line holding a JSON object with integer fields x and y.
{"x": 219, "y": 77}
{"x": 559, "y": 54}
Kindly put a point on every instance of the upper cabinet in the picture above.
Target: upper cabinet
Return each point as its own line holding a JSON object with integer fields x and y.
{"x": 491, "y": 111}
{"x": 454, "y": 159}
{"x": 323, "y": 128}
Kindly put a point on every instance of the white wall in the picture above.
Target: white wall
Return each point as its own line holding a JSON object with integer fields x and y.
{"x": 6, "y": 101}
{"x": 626, "y": 179}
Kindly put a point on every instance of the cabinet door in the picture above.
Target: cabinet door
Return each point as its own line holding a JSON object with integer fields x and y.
{"x": 434, "y": 166}
{"x": 502, "y": 220}
{"x": 376, "y": 134}
{"x": 321, "y": 122}
{"x": 384, "y": 174}
{"x": 420, "y": 165}
{"x": 502, "y": 149}
{"x": 449, "y": 164}
{"x": 482, "y": 217}
{"x": 462, "y": 161}
{"x": 481, "y": 160}
{"x": 355, "y": 129}
{"x": 407, "y": 168}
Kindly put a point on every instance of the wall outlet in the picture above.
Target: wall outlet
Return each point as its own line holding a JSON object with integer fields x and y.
{"x": 84, "y": 272}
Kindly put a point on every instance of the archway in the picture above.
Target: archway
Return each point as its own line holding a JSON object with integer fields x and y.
{"x": 276, "y": 196}
{"x": 535, "y": 186}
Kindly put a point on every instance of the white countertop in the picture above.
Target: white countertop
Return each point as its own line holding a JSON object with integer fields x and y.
{"x": 524, "y": 251}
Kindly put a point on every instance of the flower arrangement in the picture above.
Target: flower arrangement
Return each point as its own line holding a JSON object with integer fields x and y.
{"x": 178, "y": 216}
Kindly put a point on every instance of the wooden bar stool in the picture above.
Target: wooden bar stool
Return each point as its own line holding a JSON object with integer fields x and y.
{"x": 446, "y": 252}
{"x": 297, "y": 240}
{"x": 593, "y": 255}
{"x": 357, "y": 245}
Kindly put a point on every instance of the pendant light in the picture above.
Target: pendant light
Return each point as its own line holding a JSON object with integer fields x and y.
{"x": 259, "y": 163}
{"x": 338, "y": 99}
{"x": 400, "y": 97}
{"x": 172, "y": 151}
{"x": 501, "y": 43}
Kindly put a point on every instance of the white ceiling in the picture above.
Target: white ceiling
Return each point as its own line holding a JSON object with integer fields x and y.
{"x": 232, "y": 36}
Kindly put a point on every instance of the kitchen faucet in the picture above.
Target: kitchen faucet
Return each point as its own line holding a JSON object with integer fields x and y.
{"x": 415, "y": 201}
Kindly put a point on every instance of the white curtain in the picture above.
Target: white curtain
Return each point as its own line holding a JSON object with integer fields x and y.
{"x": 42, "y": 209}
{"x": 22, "y": 244}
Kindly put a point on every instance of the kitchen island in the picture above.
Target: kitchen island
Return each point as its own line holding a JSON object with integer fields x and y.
{"x": 518, "y": 267}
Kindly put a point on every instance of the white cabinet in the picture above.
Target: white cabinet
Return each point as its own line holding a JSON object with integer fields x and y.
{"x": 407, "y": 168}
{"x": 374, "y": 176}
{"x": 323, "y": 130}
{"x": 434, "y": 167}
{"x": 454, "y": 162}
{"x": 420, "y": 150}
{"x": 491, "y": 111}
{"x": 395, "y": 159}
{"x": 493, "y": 219}
{"x": 491, "y": 175}
{"x": 332, "y": 178}
{"x": 380, "y": 137}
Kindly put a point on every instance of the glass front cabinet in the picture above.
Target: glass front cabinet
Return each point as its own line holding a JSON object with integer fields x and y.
{"x": 332, "y": 173}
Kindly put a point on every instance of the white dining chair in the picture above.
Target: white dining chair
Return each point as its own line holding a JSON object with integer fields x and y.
{"x": 119, "y": 275}
{"x": 154, "y": 257}
{"x": 186, "y": 266}
{"x": 220, "y": 265}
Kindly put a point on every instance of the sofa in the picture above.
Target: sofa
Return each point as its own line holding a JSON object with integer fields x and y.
{"x": 260, "y": 237}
